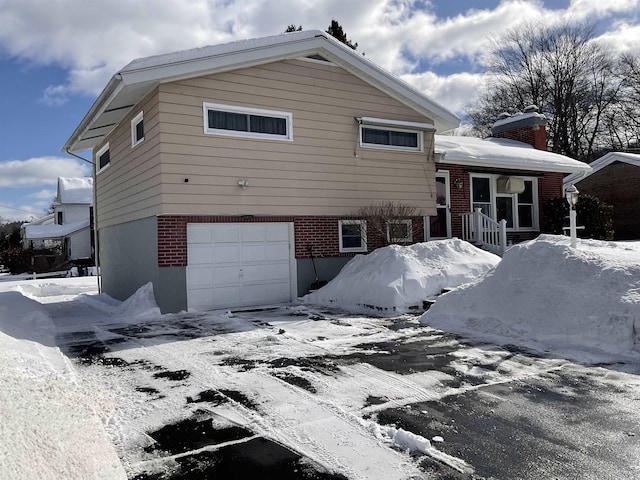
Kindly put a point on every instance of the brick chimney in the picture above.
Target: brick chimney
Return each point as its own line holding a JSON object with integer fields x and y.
{"x": 527, "y": 127}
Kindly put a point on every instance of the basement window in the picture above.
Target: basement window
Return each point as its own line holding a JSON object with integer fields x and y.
{"x": 399, "y": 231}
{"x": 353, "y": 235}
{"x": 247, "y": 122}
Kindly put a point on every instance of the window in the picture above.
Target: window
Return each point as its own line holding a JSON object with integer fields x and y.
{"x": 59, "y": 218}
{"x": 103, "y": 158}
{"x": 247, "y": 122}
{"x": 391, "y": 138}
{"x": 137, "y": 130}
{"x": 481, "y": 187}
{"x": 520, "y": 210}
{"x": 353, "y": 235}
{"x": 399, "y": 231}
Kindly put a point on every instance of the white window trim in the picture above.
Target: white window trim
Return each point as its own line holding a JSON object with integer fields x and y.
{"x": 98, "y": 155}
{"x": 288, "y": 116}
{"x": 419, "y": 134}
{"x": 493, "y": 178}
{"x": 409, "y": 238}
{"x": 363, "y": 235}
{"x": 134, "y": 123}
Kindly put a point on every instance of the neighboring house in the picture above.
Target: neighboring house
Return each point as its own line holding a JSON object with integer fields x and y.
{"x": 69, "y": 226}
{"x": 217, "y": 168}
{"x": 615, "y": 180}
{"x": 508, "y": 176}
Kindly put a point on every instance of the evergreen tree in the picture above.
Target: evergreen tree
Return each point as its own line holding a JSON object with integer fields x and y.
{"x": 336, "y": 31}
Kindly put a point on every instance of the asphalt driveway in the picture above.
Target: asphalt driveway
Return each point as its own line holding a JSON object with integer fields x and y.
{"x": 238, "y": 395}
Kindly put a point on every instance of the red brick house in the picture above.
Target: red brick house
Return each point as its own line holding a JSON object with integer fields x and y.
{"x": 614, "y": 179}
{"x": 508, "y": 176}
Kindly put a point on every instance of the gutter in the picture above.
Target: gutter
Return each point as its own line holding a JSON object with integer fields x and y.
{"x": 96, "y": 254}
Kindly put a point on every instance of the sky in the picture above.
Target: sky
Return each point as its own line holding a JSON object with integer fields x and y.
{"x": 56, "y": 56}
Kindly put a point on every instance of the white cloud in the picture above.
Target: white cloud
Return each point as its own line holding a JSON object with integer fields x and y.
{"x": 454, "y": 91}
{"x": 39, "y": 171}
{"x": 44, "y": 194}
{"x": 623, "y": 38}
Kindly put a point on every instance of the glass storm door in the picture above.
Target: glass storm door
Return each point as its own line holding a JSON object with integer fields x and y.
{"x": 439, "y": 226}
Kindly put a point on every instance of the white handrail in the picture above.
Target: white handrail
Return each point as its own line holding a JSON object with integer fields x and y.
{"x": 484, "y": 231}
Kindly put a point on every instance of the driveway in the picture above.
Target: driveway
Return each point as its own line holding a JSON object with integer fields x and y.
{"x": 293, "y": 392}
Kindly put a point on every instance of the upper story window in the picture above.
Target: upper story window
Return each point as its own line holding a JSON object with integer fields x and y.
{"x": 103, "y": 158}
{"x": 137, "y": 129}
{"x": 247, "y": 122}
{"x": 393, "y": 134}
{"x": 353, "y": 235}
{"x": 391, "y": 138}
{"x": 60, "y": 218}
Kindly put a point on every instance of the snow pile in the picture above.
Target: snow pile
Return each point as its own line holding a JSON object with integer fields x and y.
{"x": 48, "y": 424}
{"x": 399, "y": 278}
{"x": 544, "y": 291}
{"x": 139, "y": 306}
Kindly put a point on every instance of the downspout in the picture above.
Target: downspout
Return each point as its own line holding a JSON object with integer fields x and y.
{"x": 95, "y": 216}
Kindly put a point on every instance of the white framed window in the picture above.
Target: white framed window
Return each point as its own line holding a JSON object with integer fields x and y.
{"x": 103, "y": 158}
{"x": 391, "y": 138}
{"x": 353, "y": 235}
{"x": 400, "y": 231}
{"x": 247, "y": 122}
{"x": 137, "y": 129}
{"x": 520, "y": 210}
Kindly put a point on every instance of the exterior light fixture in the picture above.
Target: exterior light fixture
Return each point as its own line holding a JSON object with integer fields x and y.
{"x": 243, "y": 184}
{"x": 458, "y": 183}
{"x": 571, "y": 194}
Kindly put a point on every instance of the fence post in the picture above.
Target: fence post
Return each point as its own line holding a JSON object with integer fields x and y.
{"x": 503, "y": 236}
{"x": 479, "y": 227}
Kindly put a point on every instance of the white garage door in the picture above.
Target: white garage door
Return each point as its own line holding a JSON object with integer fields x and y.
{"x": 238, "y": 264}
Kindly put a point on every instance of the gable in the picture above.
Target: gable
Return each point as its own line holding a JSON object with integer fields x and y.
{"x": 140, "y": 77}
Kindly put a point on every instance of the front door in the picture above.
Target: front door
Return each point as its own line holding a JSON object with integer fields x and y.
{"x": 439, "y": 226}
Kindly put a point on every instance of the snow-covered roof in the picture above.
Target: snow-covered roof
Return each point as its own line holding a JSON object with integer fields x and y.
{"x": 502, "y": 153}
{"x": 45, "y": 220}
{"x": 608, "y": 159}
{"x": 75, "y": 190}
{"x": 131, "y": 84}
{"x": 41, "y": 232}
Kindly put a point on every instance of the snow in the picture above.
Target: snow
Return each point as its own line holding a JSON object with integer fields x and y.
{"x": 75, "y": 190}
{"x": 49, "y": 424}
{"x": 61, "y": 418}
{"x": 398, "y": 278}
{"x": 581, "y": 303}
{"x": 502, "y": 153}
{"x": 35, "y": 232}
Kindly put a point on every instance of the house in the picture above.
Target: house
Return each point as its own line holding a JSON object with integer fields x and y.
{"x": 614, "y": 179}
{"x": 66, "y": 233}
{"x": 220, "y": 171}
{"x": 217, "y": 167}
{"x": 507, "y": 176}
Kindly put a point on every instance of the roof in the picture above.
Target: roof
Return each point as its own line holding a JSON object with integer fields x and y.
{"x": 41, "y": 232}
{"x": 131, "y": 84}
{"x": 502, "y": 153}
{"x": 75, "y": 190}
{"x": 608, "y": 159}
{"x": 45, "y": 220}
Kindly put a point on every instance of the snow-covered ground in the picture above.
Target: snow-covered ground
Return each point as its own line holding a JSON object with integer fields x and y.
{"x": 86, "y": 380}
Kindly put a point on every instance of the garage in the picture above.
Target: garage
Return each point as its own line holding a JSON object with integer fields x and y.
{"x": 239, "y": 264}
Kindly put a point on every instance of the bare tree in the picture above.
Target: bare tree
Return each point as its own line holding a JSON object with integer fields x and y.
{"x": 571, "y": 78}
{"x": 390, "y": 222}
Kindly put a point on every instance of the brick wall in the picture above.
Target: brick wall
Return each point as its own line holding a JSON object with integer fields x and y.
{"x": 321, "y": 233}
{"x": 535, "y": 135}
{"x": 549, "y": 186}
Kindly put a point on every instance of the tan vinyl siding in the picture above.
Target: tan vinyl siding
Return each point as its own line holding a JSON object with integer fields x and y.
{"x": 129, "y": 188}
{"x": 323, "y": 171}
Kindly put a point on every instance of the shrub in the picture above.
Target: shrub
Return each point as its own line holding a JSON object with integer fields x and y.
{"x": 595, "y": 215}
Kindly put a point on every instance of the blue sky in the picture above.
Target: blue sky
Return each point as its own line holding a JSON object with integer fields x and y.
{"x": 56, "y": 56}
